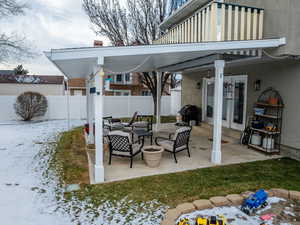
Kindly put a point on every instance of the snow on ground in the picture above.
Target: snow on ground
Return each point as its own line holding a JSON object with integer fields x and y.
{"x": 31, "y": 195}
{"x": 20, "y": 193}
{"x": 234, "y": 215}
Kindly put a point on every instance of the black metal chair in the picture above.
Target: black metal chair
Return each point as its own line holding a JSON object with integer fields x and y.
{"x": 131, "y": 122}
{"x": 179, "y": 142}
{"x": 116, "y": 124}
{"x": 121, "y": 145}
{"x": 143, "y": 122}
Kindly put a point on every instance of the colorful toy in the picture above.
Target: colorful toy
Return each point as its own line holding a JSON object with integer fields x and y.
{"x": 184, "y": 221}
{"x": 267, "y": 217}
{"x": 255, "y": 202}
{"x": 220, "y": 220}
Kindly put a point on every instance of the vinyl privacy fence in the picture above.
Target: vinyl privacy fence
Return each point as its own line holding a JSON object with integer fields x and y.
{"x": 116, "y": 106}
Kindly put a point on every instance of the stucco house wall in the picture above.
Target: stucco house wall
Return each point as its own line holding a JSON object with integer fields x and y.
{"x": 282, "y": 19}
{"x": 283, "y": 76}
{"x": 45, "y": 89}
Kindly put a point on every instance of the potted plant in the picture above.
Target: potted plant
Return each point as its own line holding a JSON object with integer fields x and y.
{"x": 152, "y": 155}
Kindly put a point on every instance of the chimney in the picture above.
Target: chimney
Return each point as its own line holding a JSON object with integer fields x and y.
{"x": 98, "y": 43}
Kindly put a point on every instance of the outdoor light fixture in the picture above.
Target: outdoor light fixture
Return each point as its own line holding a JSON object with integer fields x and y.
{"x": 199, "y": 85}
{"x": 257, "y": 85}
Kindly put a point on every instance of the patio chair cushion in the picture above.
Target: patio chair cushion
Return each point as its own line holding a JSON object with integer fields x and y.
{"x": 168, "y": 145}
{"x": 116, "y": 126}
{"x": 180, "y": 130}
{"x": 140, "y": 124}
{"x": 121, "y": 133}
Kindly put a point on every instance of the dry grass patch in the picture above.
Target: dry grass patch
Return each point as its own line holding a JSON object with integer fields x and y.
{"x": 71, "y": 157}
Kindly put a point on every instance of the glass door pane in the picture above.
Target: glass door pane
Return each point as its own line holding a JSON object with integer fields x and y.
{"x": 239, "y": 101}
{"x": 210, "y": 99}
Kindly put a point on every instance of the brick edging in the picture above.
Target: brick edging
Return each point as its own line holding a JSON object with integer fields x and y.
{"x": 230, "y": 200}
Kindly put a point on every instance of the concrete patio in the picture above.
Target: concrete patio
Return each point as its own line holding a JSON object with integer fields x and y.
{"x": 200, "y": 148}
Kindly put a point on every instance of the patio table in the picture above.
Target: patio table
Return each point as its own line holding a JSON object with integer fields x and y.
{"x": 142, "y": 133}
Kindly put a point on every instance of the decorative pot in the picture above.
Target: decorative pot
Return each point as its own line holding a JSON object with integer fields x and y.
{"x": 152, "y": 155}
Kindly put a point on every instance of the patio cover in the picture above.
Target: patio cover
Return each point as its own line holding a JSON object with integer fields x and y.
{"x": 84, "y": 62}
{"x": 80, "y": 62}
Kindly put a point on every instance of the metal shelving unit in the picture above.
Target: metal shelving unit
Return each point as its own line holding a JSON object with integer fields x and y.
{"x": 271, "y": 138}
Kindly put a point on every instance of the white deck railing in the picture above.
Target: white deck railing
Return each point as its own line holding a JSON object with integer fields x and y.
{"x": 217, "y": 22}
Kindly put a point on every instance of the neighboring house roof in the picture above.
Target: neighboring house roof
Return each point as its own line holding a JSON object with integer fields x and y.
{"x": 6, "y": 72}
{"x": 31, "y": 79}
{"x": 77, "y": 83}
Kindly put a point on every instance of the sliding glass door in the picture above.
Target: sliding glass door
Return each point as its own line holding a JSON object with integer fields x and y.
{"x": 234, "y": 101}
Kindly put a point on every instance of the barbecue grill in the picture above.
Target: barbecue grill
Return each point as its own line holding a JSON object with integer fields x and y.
{"x": 190, "y": 113}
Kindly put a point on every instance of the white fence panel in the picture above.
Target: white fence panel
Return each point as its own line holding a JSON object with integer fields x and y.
{"x": 115, "y": 106}
{"x": 7, "y": 111}
{"x": 175, "y": 101}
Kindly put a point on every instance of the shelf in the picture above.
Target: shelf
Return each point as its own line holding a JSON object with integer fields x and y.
{"x": 265, "y": 131}
{"x": 268, "y": 116}
{"x": 269, "y": 105}
{"x": 264, "y": 149}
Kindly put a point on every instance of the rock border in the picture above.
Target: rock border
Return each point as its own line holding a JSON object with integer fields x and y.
{"x": 230, "y": 200}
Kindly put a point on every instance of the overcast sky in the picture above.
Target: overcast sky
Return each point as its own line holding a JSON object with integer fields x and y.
{"x": 51, "y": 24}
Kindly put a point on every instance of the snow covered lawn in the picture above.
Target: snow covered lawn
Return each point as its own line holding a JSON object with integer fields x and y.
{"x": 24, "y": 199}
{"x": 31, "y": 194}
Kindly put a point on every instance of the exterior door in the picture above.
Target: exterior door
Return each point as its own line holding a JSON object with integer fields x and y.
{"x": 234, "y": 101}
{"x": 209, "y": 108}
{"x": 239, "y": 103}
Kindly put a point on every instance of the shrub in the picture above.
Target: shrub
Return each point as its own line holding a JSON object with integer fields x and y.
{"x": 31, "y": 104}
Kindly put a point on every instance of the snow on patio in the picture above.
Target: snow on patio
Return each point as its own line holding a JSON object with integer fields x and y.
{"x": 30, "y": 193}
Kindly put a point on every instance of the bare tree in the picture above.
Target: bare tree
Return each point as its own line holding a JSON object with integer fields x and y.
{"x": 11, "y": 8}
{"x": 30, "y": 104}
{"x": 137, "y": 23}
{"x": 13, "y": 46}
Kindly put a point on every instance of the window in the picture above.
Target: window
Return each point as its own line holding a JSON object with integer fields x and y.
{"x": 127, "y": 77}
{"x": 122, "y": 93}
{"x": 175, "y": 4}
{"x": 146, "y": 93}
{"x": 119, "y": 78}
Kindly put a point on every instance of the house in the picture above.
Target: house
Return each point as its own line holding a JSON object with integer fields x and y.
{"x": 117, "y": 85}
{"x": 77, "y": 86}
{"x": 15, "y": 85}
{"x": 7, "y": 72}
{"x": 126, "y": 84}
{"x": 233, "y": 20}
{"x": 228, "y": 52}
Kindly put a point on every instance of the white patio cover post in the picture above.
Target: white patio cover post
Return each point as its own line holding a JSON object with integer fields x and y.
{"x": 216, "y": 156}
{"x": 158, "y": 100}
{"x": 98, "y": 103}
{"x": 89, "y": 106}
